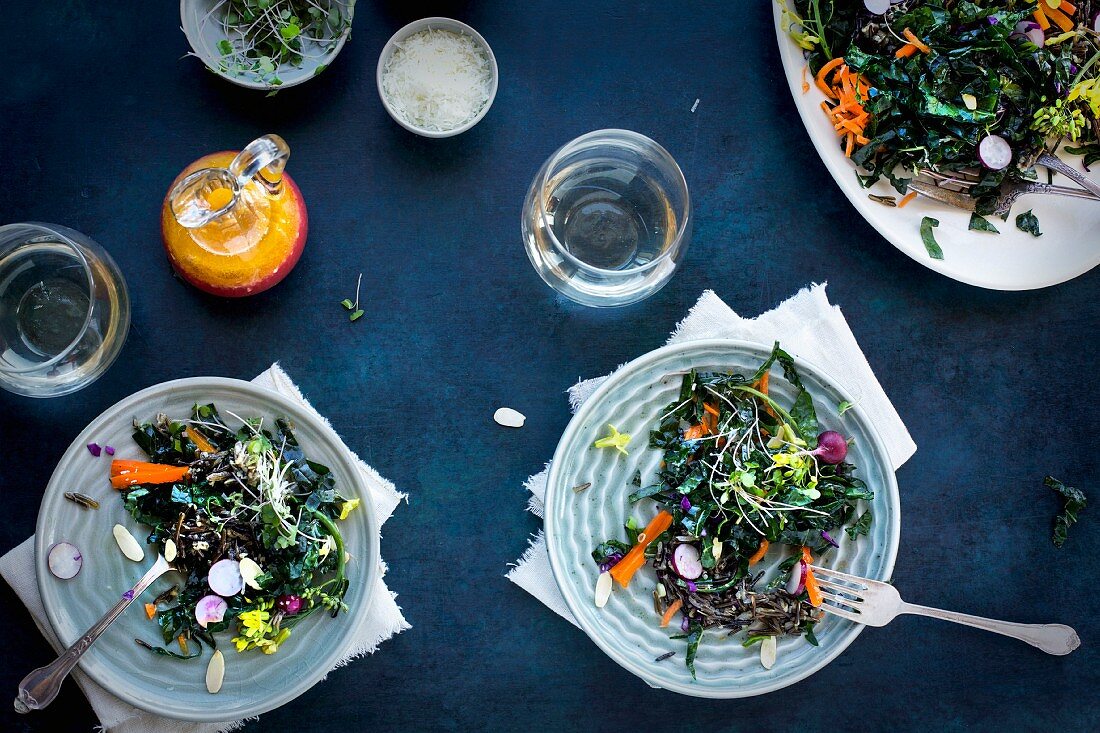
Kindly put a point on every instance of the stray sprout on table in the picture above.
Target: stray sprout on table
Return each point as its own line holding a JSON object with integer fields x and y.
{"x": 356, "y": 312}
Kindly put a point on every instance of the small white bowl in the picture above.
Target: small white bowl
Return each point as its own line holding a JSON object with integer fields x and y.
{"x": 446, "y": 24}
{"x": 204, "y": 42}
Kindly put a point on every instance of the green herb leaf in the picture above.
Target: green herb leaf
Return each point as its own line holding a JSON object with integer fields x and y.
{"x": 843, "y": 407}
{"x": 927, "y": 224}
{"x": 346, "y": 302}
{"x": 1028, "y": 222}
{"x": 356, "y": 315}
{"x": 979, "y": 223}
{"x": 862, "y": 526}
{"x": 290, "y": 31}
{"x": 695, "y": 635}
{"x": 1073, "y": 502}
{"x": 225, "y": 47}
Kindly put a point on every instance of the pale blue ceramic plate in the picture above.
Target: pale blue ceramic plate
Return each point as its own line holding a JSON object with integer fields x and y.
{"x": 627, "y": 628}
{"x": 254, "y": 682}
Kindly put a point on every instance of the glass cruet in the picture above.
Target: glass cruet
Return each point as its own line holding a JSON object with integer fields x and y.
{"x": 234, "y": 224}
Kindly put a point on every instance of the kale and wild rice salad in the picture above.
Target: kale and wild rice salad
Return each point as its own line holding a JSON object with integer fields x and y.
{"x": 958, "y": 91}
{"x": 742, "y": 477}
{"x": 250, "y": 522}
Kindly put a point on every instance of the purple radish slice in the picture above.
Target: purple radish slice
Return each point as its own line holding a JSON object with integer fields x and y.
{"x": 878, "y": 7}
{"x": 225, "y": 578}
{"x": 64, "y": 560}
{"x": 210, "y": 610}
{"x": 797, "y": 583}
{"x": 831, "y": 448}
{"x": 995, "y": 152}
{"x": 685, "y": 561}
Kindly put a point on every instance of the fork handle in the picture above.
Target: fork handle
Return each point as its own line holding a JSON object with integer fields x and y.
{"x": 1057, "y": 639}
{"x": 1055, "y": 163}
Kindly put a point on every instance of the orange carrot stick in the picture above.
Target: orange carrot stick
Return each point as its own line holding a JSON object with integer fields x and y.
{"x": 1059, "y": 18}
{"x": 760, "y": 552}
{"x": 200, "y": 442}
{"x": 813, "y": 590}
{"x": 907, "y": 198}
{"x": 1067, "y": 7}
{"x": 905, "y": 51}
{"x": 912, "y": 38}
{"x": 624, "y": 569}
{"x": 670, "y": 612}
{"x": 695, "y": 432}
{"x": 820, "y": 78}
{"x": 1041, "y": 18}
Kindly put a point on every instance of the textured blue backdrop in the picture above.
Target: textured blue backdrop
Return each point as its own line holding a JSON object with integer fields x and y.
{"x": 99, "y": 110}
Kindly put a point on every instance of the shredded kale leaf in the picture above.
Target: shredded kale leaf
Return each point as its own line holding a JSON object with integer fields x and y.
{"x": 1028, "y": 222}
{"x": 862, "y": 526}
{"x": 1073, "y": 502}
{"x": 979, "y": 223}
{"x": 927, "y": 224}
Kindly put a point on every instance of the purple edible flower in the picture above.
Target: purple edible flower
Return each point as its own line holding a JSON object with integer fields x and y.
{"x": 94, "y": 449}
{"x": 685, "y": 624}
{"x": 109, "y": 450}
{"x": 685, "y": 504}
{"x": 604, "y": 567}
{"x": 692, "y": 587}
{"x": 825, "y": 536}
{"x": 129, "y": 595}
{"x": 993, "y": 19}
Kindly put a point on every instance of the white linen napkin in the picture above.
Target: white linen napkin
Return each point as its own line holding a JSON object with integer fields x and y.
{"x": 809, "y": 327}
{"x": 116, "y": 716}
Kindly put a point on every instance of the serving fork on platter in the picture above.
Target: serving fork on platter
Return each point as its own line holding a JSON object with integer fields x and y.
{"x": 953, "y": 188}
{"x": 875, "y": 603}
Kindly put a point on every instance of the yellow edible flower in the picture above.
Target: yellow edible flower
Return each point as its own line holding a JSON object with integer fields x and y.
{"x": 615, "y": 440}
{"x": 347, "y": 506}
{"x": 1089, "y": 92}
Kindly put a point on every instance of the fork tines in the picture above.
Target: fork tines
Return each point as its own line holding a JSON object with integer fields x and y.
{"x": 842, "y": 592}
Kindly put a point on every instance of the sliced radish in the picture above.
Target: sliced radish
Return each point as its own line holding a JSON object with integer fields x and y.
{"x": 831, "y": 448}
{"x": 1096, "y": 21}
{"x": 64, "y": 560}
{"x": 685, "y": 561}
{"x": 225, "y": 578}
{"x": 994, "y": 152}
{"x": 797, "y": 583}
{"x": 878, "y": 7}
{"x": 210, "y": 610}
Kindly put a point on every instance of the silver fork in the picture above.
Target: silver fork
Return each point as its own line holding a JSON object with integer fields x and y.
{"x": 40, "y": 687}
{"x": 1008, "y": 195}
{"x": 874, "y": 603}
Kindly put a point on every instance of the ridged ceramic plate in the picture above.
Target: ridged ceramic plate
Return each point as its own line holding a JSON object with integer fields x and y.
{"x": 627, "y": 627}
{"x": 1011, "y": 260}
{"x": 254, "y": 682}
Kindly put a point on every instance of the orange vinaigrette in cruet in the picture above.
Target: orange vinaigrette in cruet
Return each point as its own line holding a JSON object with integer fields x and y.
{"x": 234, "y": 224}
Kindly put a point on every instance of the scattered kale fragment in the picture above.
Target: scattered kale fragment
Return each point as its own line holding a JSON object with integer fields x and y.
{"x": 1073, "y": 502}
{"x": 929, "y": 239}
{"x": 1028, "y": 222}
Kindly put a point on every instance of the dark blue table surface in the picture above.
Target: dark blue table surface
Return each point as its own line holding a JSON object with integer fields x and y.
{"x": 100, "y": 109}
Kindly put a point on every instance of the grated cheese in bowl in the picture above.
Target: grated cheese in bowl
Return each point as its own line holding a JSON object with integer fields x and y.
{"x": 437, "y": 80}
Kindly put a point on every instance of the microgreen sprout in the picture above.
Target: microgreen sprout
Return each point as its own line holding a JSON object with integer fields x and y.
{"x": 356, "y": 312}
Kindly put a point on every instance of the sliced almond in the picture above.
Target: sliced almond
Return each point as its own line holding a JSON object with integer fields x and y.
{"x": 603, "y": 589}
{"x": 215, "y": 673}
{"x": 169, "y": 550}
{"x": 767, "y": 652}
{"x": 716, "y": 549}
{"x": 250, "y": 570}
{"x": 509, "y": 418}
{"x": 126, "y": 542}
